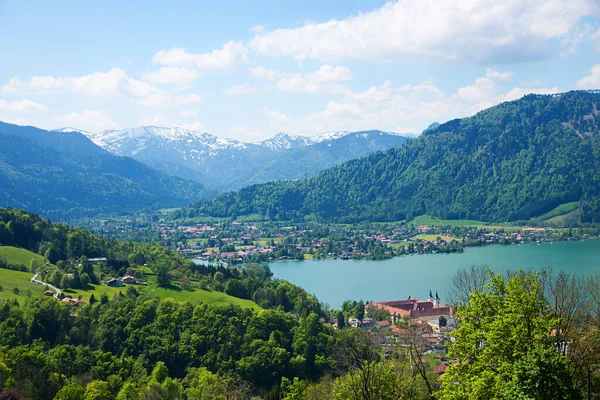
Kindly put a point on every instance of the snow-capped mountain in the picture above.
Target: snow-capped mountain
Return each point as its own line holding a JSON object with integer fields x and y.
{"x": 227, "y": 164}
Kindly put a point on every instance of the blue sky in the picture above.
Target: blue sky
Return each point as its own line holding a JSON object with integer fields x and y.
{"x": 247, "y": 70}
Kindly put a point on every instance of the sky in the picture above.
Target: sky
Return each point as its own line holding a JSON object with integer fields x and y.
{"x": 250, "y": 69}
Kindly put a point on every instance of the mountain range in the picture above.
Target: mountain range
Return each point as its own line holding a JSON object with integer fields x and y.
{"x": 63, "y": 174}
{"x": 227, "y": 164}
{"x": 511, "y": 162}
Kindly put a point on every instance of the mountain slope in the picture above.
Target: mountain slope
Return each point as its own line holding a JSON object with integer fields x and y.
{"x": 63, "y": 174}
{"x": 226, "y": 164}
{"x": 514, "y": 161}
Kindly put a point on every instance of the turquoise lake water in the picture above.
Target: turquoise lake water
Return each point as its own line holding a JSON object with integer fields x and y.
{"x": 334, "y": 281}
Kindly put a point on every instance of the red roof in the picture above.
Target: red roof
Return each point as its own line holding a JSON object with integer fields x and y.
{"x": 384, "y": 323}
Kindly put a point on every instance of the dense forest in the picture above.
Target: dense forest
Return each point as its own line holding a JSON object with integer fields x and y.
{"x": 511, "y": 162}
{"x": 64, "y": 175}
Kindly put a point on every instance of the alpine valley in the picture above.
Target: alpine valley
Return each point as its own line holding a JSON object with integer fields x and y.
{"x": 226, "y": 164}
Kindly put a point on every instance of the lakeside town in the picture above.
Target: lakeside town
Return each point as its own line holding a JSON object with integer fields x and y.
{"x": 236, "y": 242}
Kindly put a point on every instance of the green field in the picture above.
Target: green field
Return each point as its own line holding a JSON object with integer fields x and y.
{"x": 15, "y": 255}
{"x": 10, "y": 279}
{"x": 433, "y": 238}
{"x": 428, "y": 220}
{"x": 199, "y": 295}
{"x": 267, "y": 241}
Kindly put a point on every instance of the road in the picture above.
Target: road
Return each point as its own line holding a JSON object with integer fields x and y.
{"x": 34, "y": 280}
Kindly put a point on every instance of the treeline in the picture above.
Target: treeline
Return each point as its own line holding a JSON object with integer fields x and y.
{"x": 511, "y": 162}
{"x": 524, "y": 335}
{"x": 120, "y": 340}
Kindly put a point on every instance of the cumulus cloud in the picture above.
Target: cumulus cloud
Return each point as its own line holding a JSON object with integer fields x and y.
{"x": 21, "y": 106}
{"x": 237, "y": 90}
{"x": 592, "y": 81}
{"x": 326, "y": 79}
{"x": 226, "y": 57}
{"x": 262, "y": 73}
{"x": 98, "y": 84}
{"x": 89, "y": 120}
{"x": 457, "y": 30}
{"x": 180, "y": 76}
{"x": 403, "y": 108}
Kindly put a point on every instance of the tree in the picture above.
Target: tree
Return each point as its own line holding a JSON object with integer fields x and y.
{"x": 443, "y": 321}
{"x": 10, "y": 395}
{"x": 465, "y": 282}
{"x": 160, "y": 372}
{"x": 162, "y": 275}
{"x": 85, "y": 279}
{"x": 504, "y": 344}
{"x": 98, "y": 390}
{"x": 71, "y": 391}
{"x": 341, "y": 320}
{"x": 65, "y": 282}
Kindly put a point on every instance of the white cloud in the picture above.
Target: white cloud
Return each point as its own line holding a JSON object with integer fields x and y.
{"x": 21, "y": 106}
{"x": 262, "y": 73}
{"x": 501, "y": 76}
{"x": 457, "y": 30}
{"x": 180, "y": 76}
{"x": 236, "y": 90}
{"x": 194, "y": 126}
{"x": 481, "y": 90}
{"x": 188, "y": 113}
{"x": 226, "y": 57}
{"x": 404, "y": 108}
{"x": 98, "y": 84}
{"x": 325, "y": 80}
{"x": 275, "y": 115}
{"x": 592, "y": 81}
{"x": 89, "y": 120}
{"x": 153, "y": 120}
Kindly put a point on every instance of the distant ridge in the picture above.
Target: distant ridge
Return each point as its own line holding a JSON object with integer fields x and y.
{"x": 62, "y": 174}
{"x": 512, "y": 162}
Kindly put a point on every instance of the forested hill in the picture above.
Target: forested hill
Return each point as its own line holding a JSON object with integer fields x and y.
{"x": 64, "y": 174}
{"x": 514, "y": 161}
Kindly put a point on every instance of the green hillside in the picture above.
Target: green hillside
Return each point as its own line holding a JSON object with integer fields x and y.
{"x": 65, "y": 175}
{"x": 18, "y": 256}
{"x": 9, "y": 280}
{"x": 512, "y": 162}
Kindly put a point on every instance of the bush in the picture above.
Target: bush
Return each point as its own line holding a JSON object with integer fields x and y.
{"x": 16, "y": 290}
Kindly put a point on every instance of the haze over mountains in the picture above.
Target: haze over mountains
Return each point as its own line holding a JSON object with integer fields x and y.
{"x": 227, "y": 164}
{"x": 514, "y": 161}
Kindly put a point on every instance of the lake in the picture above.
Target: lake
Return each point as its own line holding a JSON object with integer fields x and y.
{"x": 334, "y": 281}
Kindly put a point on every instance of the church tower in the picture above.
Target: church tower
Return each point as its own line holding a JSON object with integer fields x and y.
{"x": 431, "y": 299}
{"x": 436, "y": 300}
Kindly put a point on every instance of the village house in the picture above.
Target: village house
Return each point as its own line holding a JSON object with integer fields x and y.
{"x": 128, "y": 279}
{"x": 114, "y": 282}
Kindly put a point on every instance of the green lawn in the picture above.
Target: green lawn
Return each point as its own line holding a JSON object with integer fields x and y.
{"x": 199, "y": 295}
{"x": 10, "y": 279}
{"x": 97, "y": 290}
{"x": 433, "y": 238}
{"x": 15, "y": 255}
{"x": 428, "y": 220}
{"x": 267, "y": 241}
